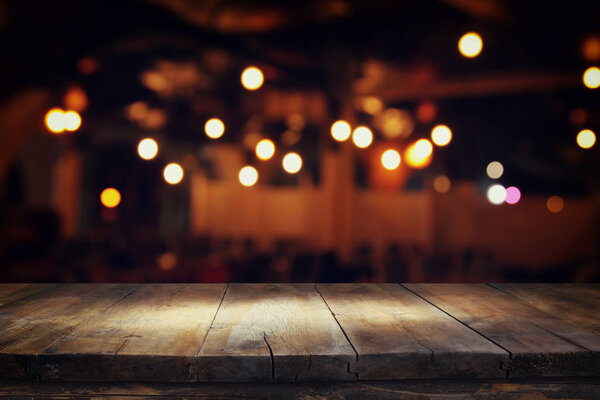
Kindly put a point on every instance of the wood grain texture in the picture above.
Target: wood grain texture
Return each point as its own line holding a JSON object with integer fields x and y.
{"x": 366, "y": 390}
{"x": 152, "y": 335}
{"x": 540, "y": 344}
{"x": 29, "y": 325}
{"x": 10, "y": 292}
{"x": 266, "y": 332}
{"x": 397, "y": 335}
{"x": 576, "y": 303}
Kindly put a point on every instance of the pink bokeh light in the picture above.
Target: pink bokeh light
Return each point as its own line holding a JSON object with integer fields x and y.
{"x": 513, "y": 195}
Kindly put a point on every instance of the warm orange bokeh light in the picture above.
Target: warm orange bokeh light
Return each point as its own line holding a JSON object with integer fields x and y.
{"x": 214, "y": 128}
{"x": 362, "y": 137}
{"x": 586, "y": 139}
{"x": 419, "y": 154}
{"x": 173, "y": 173}
{"x": 71, "y": 121}
{"x": 390, "y": 159}
{"x": 55, "y": 120}
{"x": 248, "y": 176}
{"x": 265, "y": 149}
{"x": 341, "y": 131}
{"x": 110, "y": 197}
{"x": 147, "y": 148}
{"x": 76, "y": 99}
{"x": 591, "y": 77}
{"x": 555, "y": 204}
{"x": 292, "y": 163}
{"x": 441, "y": 135}
{"x": 442, "y": 184}
{"x": 252, "y": 78}
{"x": 470, "y": 45}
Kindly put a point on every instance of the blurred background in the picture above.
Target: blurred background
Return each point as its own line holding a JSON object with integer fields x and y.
{"x": 329, "y": 141}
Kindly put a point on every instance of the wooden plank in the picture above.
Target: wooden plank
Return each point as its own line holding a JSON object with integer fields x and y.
{"x": 152, "y": 335}
{"x": 31, "y": 324}
{"x": 576, "y": 303}
{"x": 361, "y": 390}
{"x": 540, "y": 344}
{"x": 397, "y": 335}
{"x": 10, "y": 292}
{"x": 266, "y": 332}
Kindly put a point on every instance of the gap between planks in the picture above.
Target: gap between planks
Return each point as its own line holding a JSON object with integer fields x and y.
{"x": 340, "y": 325}
{"x": 510, "y": 355}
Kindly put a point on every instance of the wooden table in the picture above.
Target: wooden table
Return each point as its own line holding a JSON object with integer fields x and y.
{"x": 411, "y": 341}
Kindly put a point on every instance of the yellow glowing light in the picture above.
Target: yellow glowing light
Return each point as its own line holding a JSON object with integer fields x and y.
{"x": 110, "y": 197}
{"x": 555, "y": 204}
{"x": 248, "y": 176}
{"x": 55, "y": 121}
{"x": 252, "y": 78}
{"x": 147, "y": 148}
{"x": 173, "y": 173}
{"x": 418, "y": 154}
{"x": 214, "y": 128}
{"x": 265, "y": 149}
{"x": 341, "y": 130}
{"x": 586, "y": 139}
{"x": 362, "y": 137}
{"x": 292, "y": 163}
{"x": 390, "y": 159}
{"x": 441, "y": 135}
{"x": 494, "y": 170}
{"x": 591, "y": 77}
{"x": 470, "y": 45}
{"x": 71, "y": 121}
{"x": 496, "y": 194}
{"x": 442, "y": 184}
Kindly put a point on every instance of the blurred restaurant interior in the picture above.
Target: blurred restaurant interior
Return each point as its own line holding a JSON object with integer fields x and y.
{"x": 312, "y": 141}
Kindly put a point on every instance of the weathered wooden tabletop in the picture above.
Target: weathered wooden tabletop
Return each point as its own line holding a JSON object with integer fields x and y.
{"x": 301, "y": 332}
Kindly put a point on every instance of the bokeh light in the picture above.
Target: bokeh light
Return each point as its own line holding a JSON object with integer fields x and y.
{"x": 372, "y": 105}
{"x": 76, "y": 99}
{"x": 496, "y": 194}
{"x": 590, "y": 48}
{"x": 591, "y": 77}
{"x": 55, "y": 121}
{"x": 110, "y": 197}
{"x": 252, "y": 78}
{"x": 341, "y": 130}
{"x": 555, "y": 204}
{"x": 426, "y": 112}
{"x": 390, "y": 159}
{"x": 418, "y": 154}
{"x": 147, "y": 148}
{"x": 167, "y": 261}
{"x": 214, "y": 128}
{"x": 586, "y": 139}
{"x": 442, "y": 184}
{"x": 248, "y": 176}
{"x": 441, "y": 135}
{"x": 395, "y": 123}
{"x": 470, "y": 45}
{"x": 292, "y": 163}
{"x": 494, "y": 170}
{"x": 513, "y": 195}
{"x": 173, "y": 173}
{"x": 265, "y": 149}
{"x": 362, "y": 137}
{"x": 71, "y": 121}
